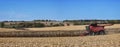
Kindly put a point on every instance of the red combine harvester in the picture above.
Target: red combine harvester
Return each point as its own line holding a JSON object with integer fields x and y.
{"x": 95, "y": 29}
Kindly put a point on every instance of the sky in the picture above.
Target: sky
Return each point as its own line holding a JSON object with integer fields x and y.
{"x": 59, "y": 9}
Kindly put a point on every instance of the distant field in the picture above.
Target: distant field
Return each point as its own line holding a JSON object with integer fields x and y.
{"x": 79, "y": 27}
{"x": 88, "y": 41}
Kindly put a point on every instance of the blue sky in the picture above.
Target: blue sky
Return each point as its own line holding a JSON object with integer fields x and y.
{"x": 59, "y": 9}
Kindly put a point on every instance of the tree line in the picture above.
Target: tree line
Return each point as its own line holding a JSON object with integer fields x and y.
{"x": 26, "y": 24}
{"x": 86, "y": 22}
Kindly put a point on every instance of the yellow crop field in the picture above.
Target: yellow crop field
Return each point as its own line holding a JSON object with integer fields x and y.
{"x": 85, "y": 41}
{"x": 111, "y": 40}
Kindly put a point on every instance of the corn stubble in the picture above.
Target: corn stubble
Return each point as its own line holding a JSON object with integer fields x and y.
{"x": 84, "y": 41}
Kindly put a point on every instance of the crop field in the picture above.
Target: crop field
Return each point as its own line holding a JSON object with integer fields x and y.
{"x": 53, "y": 31}
{"x": 88, "y": 41}
{"x": 110, "y": 40}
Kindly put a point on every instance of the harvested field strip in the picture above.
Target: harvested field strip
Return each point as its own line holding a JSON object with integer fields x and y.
{"x": 88, "y": 41}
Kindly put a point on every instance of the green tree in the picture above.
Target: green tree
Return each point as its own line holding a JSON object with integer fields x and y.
{"x": 39, "y": 25}
{"x": 1, "y": 24}
{"x": 56, "y": 25}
